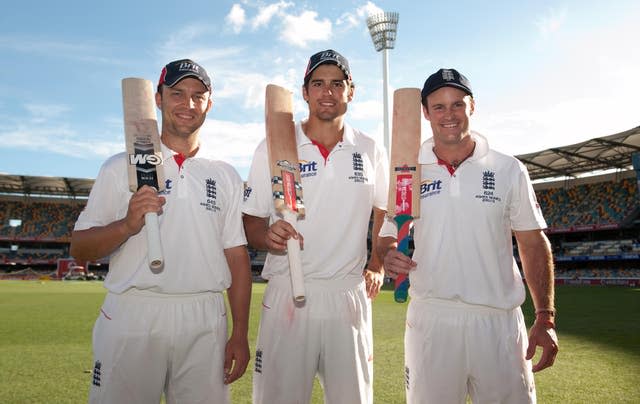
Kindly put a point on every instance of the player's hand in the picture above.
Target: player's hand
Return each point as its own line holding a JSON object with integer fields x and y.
{"x": 373, "y": 281}
{"x": 144, "y": 201}
{"x": 396, "y": 263}
{"x": 236, "y": 358}
{"x": 544, "y": 336}
{"x": 278, "y": 234}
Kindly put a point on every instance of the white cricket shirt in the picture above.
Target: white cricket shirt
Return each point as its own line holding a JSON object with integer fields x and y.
{"x": 200, "y": 219}
{"x": 463, "y": 238}
{"x": 338, "y": 197}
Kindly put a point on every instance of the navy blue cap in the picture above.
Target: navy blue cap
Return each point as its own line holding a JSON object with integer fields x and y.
{"x": 177, "y": 70}
{"x": 328, "y": 56}
{"x": 445, "y": 78}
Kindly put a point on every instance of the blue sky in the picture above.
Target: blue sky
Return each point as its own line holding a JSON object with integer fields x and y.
{"x": 544, "y": 73}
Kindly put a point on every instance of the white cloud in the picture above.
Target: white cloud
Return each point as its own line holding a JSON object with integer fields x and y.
{"x": 65, "y": 141}
{"x": 305, "y": 28}
{"x": 236, "y": 18}
{"x": 350, "y": 19}
{"x": 231, "y": 142}
{"x": 265, "y": 14}
{"x": 92, "y": 51}
{"x": 43, "y": 112}
{"x": 552, "y": 22}
{"x": 366, "y": 110}
{"x": 554, "y": 124}
{"x": 368, "y": 9}
{"x": 184, "y": 40}
{"x": 46, "y": 129}
{"x": 583, "y": 86}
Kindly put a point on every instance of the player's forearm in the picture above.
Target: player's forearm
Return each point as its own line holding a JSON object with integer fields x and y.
{"x": 537, "y": 265}
{"x": 255, "y": 229}
{"x": 376, "y": 260}
{"x": 384, "y": 244}
{"x": 239, "y": 293}
{"x": 98, "y": 242}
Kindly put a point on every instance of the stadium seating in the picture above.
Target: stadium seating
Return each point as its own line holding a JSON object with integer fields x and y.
{"x": 580, "y": 219}
{"x": 596, "y": 205}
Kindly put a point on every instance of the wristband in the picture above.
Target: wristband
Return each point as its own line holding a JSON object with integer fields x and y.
{"x": 550, "y": 312}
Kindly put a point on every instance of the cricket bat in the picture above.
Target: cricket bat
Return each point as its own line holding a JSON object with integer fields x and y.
{"x": 144, "y": 155}
{"x": 285, "y": 174}
{"x": 404, "y": 178}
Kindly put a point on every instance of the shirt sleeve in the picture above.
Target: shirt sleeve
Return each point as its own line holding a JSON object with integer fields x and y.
{"x": 257, "y": 196}
{"x": 382, "y": 180}
{"x": 525, "y": 211}
{"x": 389, "y": 228}
{"x": 233, "y": 229}
{"x": 109, "y": 197}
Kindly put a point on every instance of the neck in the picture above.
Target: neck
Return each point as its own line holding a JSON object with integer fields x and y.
{"x": 327, "y": 133}
{"x": 454, "y": 156}
{"x": 188, "y": 147}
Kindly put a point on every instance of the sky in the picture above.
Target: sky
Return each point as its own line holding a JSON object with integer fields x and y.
{"x": 544, "y": 73}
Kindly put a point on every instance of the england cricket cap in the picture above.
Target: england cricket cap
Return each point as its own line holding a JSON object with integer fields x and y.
{"x": 177, "y": 70}
{"x": 328, "y": 56}
{"x": 445, "y": 78}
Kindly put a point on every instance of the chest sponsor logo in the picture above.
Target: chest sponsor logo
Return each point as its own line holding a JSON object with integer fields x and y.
{"x": 308, "y": 168}
{"x": 488, "y": 188}
{"x": 168, "y": 185}
{"x": 358, "y": 169}
{"x": 429, "y": 188}
{"x": 211, "y": 195}
{"x": 247, "y": 193}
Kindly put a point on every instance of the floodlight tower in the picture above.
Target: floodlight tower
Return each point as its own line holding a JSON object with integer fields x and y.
{"x": 383, "y": 27}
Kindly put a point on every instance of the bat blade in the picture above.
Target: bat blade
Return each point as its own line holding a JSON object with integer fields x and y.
{"x": 144, "y": 155}
{"x": 285, "y": 174}
{"x": 404, "y": 189}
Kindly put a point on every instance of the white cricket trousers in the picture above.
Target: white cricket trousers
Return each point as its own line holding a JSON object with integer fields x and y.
{"x": 146, "y": 343}
{"x": 453, "y": 349}
{"x": 330, "y": 336}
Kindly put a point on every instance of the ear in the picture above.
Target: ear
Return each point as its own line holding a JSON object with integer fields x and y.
{"x": 305, "y": 94}
{"x": 472, "y": 106}
{"x": 352, "y": 90}
{"x": 209, "y": 104}
{"x": 159, "y": 100}
{"x": 425, "y": 112}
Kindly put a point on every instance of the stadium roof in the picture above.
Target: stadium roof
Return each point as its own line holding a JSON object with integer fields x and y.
{"x": 45, "y": 186}
{"x": 599, "y": 154}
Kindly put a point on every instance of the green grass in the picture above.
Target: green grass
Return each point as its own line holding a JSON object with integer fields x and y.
{"x": 45, "y": 345}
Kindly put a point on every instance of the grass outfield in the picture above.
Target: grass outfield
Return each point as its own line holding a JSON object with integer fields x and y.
{"x": 45, "y": 345}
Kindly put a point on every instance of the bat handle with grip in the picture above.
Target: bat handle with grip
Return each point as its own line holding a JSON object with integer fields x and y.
{"x": 154, "y": 246}
{"x": 295, "y": 261}
{"x": 401, "y": 286}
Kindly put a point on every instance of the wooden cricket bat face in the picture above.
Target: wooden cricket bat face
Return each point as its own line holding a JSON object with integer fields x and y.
{"x": 141, "y": 134}
{"x": 283, "y": 151}
{"x": 404, "y": 189}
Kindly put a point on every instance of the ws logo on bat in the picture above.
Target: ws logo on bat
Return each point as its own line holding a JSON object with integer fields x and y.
{"x": 142, "y": 159}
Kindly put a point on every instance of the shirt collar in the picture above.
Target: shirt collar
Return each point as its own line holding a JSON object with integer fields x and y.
{"x": 168, "y": 153}
{"x": 348, "y": 136}
{"x": 427, "y": 156}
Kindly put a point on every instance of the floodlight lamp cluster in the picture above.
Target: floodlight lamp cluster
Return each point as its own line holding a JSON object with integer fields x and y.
{"x": 383, "y": 27}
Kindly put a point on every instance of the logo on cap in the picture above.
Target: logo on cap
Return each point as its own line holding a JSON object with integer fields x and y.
{"x": 446, "y": 78}
{"x": 447, "y": 75}
{"x": 177, "y": 70}
{"x": 328, "y": 56}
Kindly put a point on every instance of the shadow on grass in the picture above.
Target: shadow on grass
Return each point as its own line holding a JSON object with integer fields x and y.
{"x": 605, "y": 315}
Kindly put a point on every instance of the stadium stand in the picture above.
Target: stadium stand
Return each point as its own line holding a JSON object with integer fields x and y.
{"x": 594, "y": 220}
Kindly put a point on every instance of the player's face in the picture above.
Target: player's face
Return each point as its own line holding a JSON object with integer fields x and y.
{"x": 448, "y": 110}
{"x": 184, "y": 107}
{"x": 328, "y": 93}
